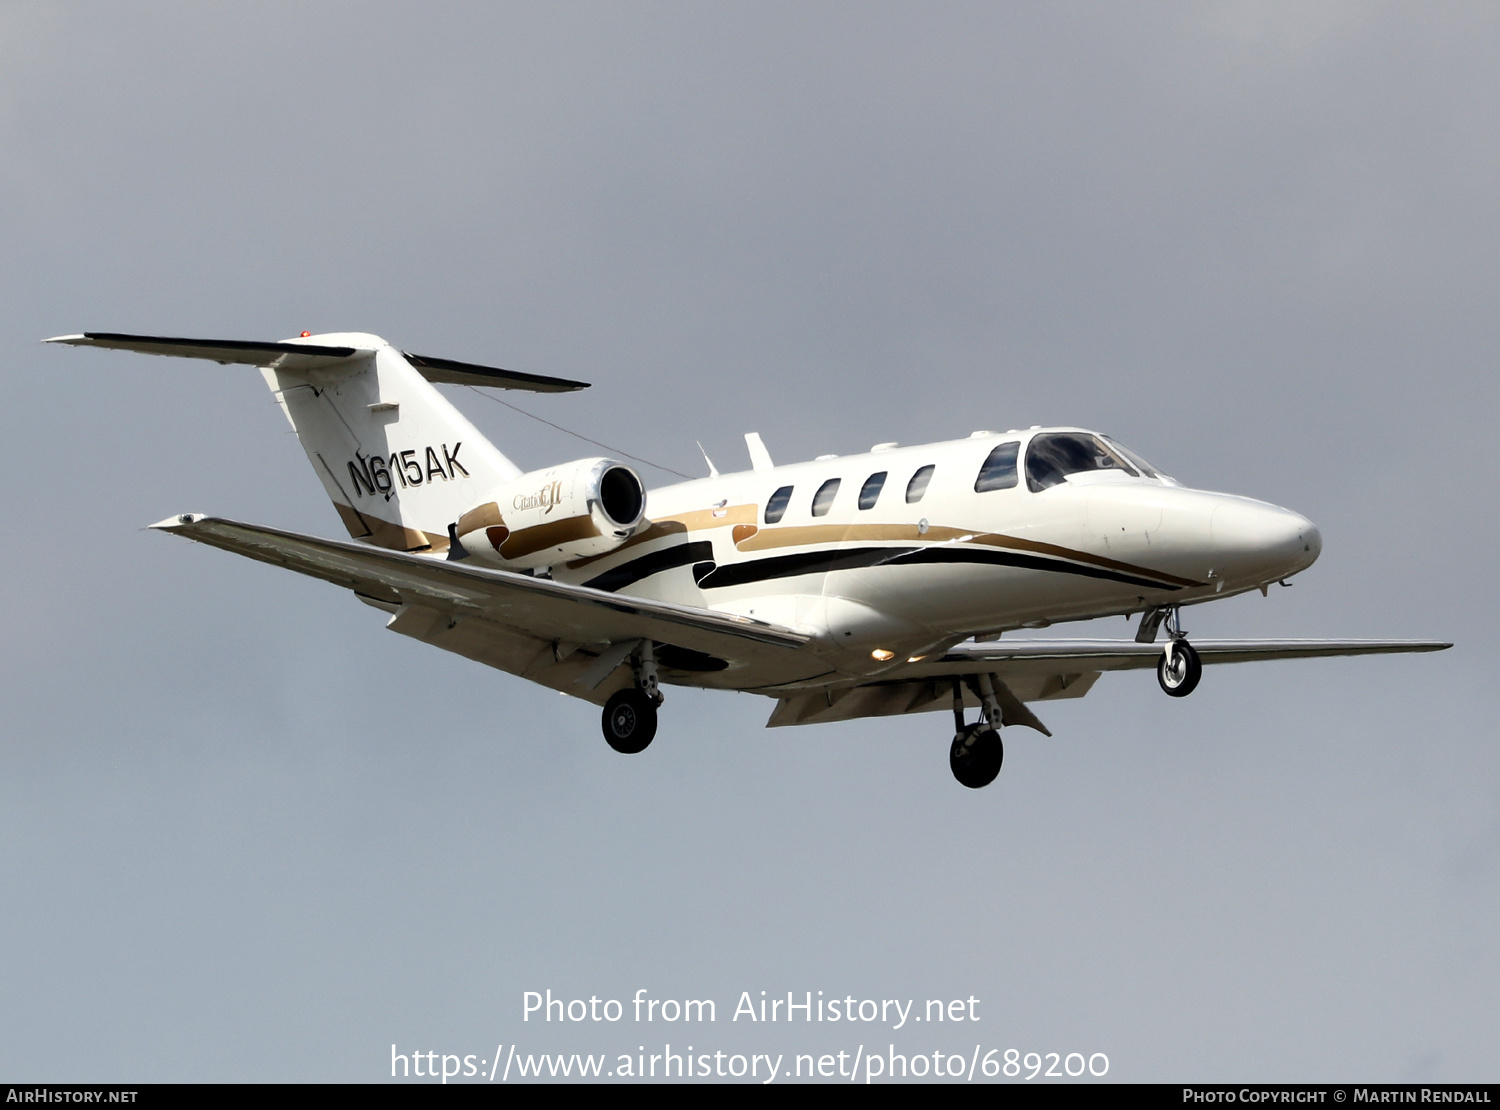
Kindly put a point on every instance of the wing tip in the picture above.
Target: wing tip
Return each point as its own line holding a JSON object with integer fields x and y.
{"x": 179, "y": 522}
{"x": 74, "y": 339}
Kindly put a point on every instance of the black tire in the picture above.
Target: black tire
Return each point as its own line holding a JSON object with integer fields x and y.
{"x": 1182, "y": 679}
{"x": 976, "y": 756}
{"x": 629, "y": 721}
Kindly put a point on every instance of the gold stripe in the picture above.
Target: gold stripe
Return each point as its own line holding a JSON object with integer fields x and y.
{"x": 705, "y": 518}
{"x": 485, "y": 516}
{"x": 659, "y": 530}
{"x": 382, "y": 533}
{"x": 355, "y": 523}
{"x": 769, "y": 538}
{"x": 528, "y": 540}
{"x": 677, "y": 525}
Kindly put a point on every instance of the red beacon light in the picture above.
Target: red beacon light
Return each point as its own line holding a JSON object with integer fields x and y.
{"x": 306, "y": 334}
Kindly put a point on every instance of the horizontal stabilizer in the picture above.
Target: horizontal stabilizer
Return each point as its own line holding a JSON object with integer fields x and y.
{"x": 445, "y": 371}
{"x": 222, "y": 351}
{"x": 310, "y": 354}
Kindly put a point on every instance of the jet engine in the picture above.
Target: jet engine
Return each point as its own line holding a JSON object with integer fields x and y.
{"x": 551, "y": 516}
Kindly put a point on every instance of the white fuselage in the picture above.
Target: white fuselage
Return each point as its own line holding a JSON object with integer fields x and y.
{"x": 916, "y": 571}
{"x": 842, "y": 586}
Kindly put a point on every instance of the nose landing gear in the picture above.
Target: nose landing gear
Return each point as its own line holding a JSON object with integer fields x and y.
{"x": 976, "y": 753}
{"x": 1179, "y": 668}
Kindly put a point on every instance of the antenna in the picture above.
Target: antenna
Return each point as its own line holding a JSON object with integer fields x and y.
{"x": 713, "y": 471}
{"x": 760, "y": 458}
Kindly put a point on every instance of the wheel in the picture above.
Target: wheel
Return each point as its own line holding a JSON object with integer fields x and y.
{"x": 629, "y": 721}
{"x": 1181, "y": 678}
{"x": 975, "y": 756}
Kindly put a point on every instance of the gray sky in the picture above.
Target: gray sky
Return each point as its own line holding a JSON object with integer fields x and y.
{"x": 247, "y": 834}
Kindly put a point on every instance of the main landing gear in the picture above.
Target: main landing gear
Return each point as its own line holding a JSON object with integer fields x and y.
{"x": 976, "y": 753}
{"x": 629, "y": 719}
{"x": 1179, "y": 668}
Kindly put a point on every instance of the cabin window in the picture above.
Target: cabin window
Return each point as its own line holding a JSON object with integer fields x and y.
{"x": 918, "y": 484}
{"x": 1052, "y": 456}
{"x": 999, "y": 469}
{"x": 776, "y": 507}
{"x": 869, "y": 493}
{"x": 823, "y": 499}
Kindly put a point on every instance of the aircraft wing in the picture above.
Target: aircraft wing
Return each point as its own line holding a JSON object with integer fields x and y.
{"x": 1040, "y": 670}
{"x": 1125, "y": 655}
{"x": 571, "y": 638}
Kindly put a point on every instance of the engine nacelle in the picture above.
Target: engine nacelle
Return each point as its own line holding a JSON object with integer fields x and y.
{"x": 550, "y": 516}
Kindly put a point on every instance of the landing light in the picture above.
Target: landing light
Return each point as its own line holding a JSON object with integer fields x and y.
{"x": 882, "y": 654}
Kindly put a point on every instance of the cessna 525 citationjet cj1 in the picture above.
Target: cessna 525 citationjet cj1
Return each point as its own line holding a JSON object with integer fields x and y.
{"x": 855, "y": 586}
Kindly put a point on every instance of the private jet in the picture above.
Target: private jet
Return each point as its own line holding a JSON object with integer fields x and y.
{"x": 850, "y": 586}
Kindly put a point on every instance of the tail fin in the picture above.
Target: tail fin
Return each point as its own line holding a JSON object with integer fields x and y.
{"x": 396, "y": 459}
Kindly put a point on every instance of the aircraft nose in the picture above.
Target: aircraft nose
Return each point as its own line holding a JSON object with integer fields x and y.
{"x": 1261, "y": 542}
{"x": 1312, "y": 541}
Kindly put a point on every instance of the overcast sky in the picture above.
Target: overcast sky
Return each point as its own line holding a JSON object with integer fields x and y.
{"x": 245, "y": 833}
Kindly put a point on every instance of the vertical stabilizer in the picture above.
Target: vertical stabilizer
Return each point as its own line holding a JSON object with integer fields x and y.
{"x": 397, "y": 460}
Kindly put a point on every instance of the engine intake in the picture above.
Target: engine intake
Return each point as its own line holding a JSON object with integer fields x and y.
{"x": 565, "y": 512}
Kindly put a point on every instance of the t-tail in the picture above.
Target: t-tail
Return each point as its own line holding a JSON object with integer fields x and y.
{"x": 400, "y": 464}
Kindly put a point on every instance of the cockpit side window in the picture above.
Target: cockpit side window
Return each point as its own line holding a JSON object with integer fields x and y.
{"x": 1052, "y": 456}
{"x": 776, "y": 506}
{"x": 823, "y": 499}
{"x": 918, "y": 484}
{"x": 869, "y": 493}
{"x": 1134, "y": 459}
{"x": 999, "y": 469}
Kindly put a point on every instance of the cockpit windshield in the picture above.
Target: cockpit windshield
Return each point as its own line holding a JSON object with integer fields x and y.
{"x": 1052, "y": 456}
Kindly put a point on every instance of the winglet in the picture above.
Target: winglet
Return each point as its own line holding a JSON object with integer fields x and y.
{"x": 760, "y": 458}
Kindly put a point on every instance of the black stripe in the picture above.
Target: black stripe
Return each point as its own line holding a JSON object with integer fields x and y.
{"x": 820, "y": 562}
{"x": 804, "y": 562}
{"x": 681, "y": 555}
{"x": 993, "y": 557}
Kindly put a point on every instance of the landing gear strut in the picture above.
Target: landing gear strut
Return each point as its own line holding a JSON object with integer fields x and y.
{"x": 976, "y": 753}
{"x": 1179, "y": 668}
{"x": 629, "y": 719}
